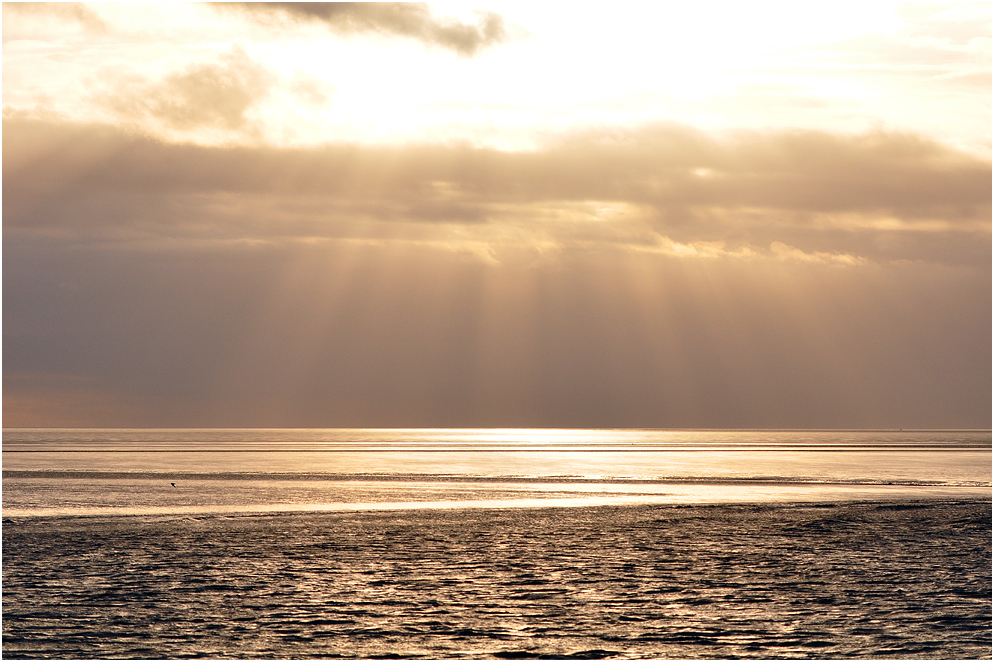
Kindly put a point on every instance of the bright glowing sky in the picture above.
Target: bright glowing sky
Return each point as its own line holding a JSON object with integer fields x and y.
{"x": 717, "y": 66}
{"x": 512, "y": 214}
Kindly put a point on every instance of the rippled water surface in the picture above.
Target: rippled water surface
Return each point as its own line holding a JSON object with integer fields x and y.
{"x": 881, "y": 580}
{"x": 496, "y": 543}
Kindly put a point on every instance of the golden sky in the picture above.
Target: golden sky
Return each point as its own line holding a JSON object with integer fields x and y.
{"x": 511, "y": 214}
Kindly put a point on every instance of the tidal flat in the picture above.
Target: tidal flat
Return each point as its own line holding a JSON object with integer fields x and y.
{"x": 903, "y": 579}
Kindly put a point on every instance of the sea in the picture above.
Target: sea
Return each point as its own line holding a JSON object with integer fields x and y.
{"x": 496, "y": 543}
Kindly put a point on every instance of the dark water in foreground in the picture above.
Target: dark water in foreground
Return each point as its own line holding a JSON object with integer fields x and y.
{"x": 496, "y": 543}
{"x": 828, "y": 580}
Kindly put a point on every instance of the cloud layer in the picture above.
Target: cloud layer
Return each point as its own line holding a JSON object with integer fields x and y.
{"x": 281, "y": 214}
{"x": 411, "y": 20}
{"x": 879, "y": 196}
{"x": 653, "y": 277}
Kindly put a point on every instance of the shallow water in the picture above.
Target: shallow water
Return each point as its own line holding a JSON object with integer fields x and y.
{"x": 496, "y": 543}
{"x": 86, "y": 472}
{"x": 834, "y": 580}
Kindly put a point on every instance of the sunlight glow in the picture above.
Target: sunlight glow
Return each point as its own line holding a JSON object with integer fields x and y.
{"x": 585, "y": 216}
{"x": 676, "y": 59}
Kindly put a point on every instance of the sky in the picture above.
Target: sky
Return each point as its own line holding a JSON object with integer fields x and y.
{"x": 513, "y": 214}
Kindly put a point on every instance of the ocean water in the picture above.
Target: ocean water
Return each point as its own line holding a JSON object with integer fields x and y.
{"x": 106, "y": 472}
{"x": 496, "y": 544}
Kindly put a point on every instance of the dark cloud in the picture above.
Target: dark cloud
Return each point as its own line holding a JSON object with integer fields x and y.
{"x": 214, "y": 95}
{"x": 883, "y": 196}
{"x": 412, "y": 20}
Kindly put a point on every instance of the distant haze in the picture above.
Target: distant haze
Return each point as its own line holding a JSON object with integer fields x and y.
{"x": 418, "y": 215}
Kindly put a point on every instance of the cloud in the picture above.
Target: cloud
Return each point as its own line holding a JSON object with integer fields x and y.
{"x": 212, "y": 95}
{"x": 380, "y": 334}
{"x": 654, "y": 277}
{"x": 412, "y": 20}
{"x": 71, "y": 12}
{"x": 879, "y": 195}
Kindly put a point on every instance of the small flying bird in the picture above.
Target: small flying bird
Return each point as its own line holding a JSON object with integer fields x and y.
{"x": 173, "y": 484}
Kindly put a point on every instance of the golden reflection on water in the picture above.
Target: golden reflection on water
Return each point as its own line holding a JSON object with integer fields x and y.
{"x": 37, "y": 497}
{"x": 101, "y": 472}
{"x": 810, "y": 465}
{"x": 552, "y": 436}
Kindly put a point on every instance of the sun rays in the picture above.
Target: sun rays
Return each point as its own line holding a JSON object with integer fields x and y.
{"x": 514, "y": 215}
